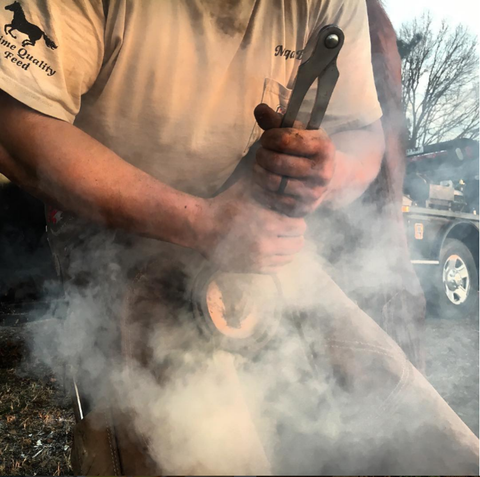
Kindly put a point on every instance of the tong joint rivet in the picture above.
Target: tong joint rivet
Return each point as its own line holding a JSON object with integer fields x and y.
{"x": 332, "y": 41}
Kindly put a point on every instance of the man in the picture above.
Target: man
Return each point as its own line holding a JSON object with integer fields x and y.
{"x": 155, "y": 83}
{"x": 132, "y": 115}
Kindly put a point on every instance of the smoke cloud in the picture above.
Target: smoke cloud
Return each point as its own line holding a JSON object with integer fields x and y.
{"x": 321, "y": 390}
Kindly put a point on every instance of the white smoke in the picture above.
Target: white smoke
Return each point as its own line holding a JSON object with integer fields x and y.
{"x": 318, "y": 397}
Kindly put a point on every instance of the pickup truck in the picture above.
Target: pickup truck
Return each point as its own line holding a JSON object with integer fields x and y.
{"x": 440, "y": 210}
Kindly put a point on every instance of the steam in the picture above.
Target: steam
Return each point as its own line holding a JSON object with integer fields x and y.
{"x": 322, "y": 395}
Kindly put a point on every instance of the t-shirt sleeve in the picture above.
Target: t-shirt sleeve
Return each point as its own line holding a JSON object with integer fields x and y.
{"x": 354, "y": 103}
{"x": 51, "y": 52}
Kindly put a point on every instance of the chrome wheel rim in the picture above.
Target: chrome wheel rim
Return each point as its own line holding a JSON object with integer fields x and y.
{"x": 456, "y": 279}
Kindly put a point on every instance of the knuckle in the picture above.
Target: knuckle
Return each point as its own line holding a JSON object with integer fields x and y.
{"x": 306, "y": 209}
{"x": 262, "y": 247}
{"x": 284, "y": 140}
{"x": 268, "y": 137}
{"x": 324, "y": 171}
{"x": 324, "y": 146}
{"x": 289, "y": 201}
{"x": 316, "y": 192}
{"x": 261, "y": 155}
{"x": 285, "y": 211}
{"x": 265, "y": 180}
{"x": 301, "y": 226}
{"x": 327, "y": 176}
{"x": 277, "y": 159}
{"x": 257, "y": 168}
{"x": 308, "y": 193}
{"x": 323, "y": 135}
{"x": 271, "y": 160}
{"x": 298, "y": 213}
{"x": 289, "y": 204}
{"x": 271, "y": 181}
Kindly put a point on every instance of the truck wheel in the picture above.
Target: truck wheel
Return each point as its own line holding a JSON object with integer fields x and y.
{"x": 456, "y": 284}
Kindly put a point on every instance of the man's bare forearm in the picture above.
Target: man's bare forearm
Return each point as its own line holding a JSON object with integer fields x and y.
{"x": 65, "y": 167}
{"x": 357, "y": 163}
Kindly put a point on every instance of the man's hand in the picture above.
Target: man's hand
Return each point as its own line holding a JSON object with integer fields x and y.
{"x": 246, "y": 236}
{"x": 306, "y": 158}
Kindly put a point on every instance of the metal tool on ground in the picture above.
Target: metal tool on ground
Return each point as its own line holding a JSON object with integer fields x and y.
{"x": 241, "y": 311}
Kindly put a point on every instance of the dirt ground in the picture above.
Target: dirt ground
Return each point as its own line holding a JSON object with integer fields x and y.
{"x": 35, "y": 414}
{"x": 452, "y": 364}
{"x": 36, "y": 418}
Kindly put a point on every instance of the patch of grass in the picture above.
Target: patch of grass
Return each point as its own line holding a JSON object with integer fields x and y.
{"x": 36, "y": 419}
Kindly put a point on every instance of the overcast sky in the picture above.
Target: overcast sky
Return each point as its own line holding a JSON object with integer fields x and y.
{"x": 456, "y": 11}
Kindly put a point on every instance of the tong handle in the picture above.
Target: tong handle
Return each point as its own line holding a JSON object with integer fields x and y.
{"x": 320, "y": 66}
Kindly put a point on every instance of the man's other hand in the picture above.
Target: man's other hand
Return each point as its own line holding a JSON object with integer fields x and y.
{"x": 247, "y": 237}
{"x": 305, "y": 157}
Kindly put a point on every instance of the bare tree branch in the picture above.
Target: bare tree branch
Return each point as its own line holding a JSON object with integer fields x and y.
{"x": 440, "y": 81}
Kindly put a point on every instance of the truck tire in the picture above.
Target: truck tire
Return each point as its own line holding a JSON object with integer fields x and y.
{"x": 456, "y": 282}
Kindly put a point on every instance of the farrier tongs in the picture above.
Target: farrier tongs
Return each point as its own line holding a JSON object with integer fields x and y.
{"x": 321, "y": 65}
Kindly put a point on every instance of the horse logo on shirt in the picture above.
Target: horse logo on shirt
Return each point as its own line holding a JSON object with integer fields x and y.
{"x": 21, "y": 24}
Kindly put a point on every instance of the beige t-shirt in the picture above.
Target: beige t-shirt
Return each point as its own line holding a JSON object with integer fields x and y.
{"x": 170, "y": 85}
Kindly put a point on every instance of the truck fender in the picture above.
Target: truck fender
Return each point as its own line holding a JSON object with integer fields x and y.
{"x": 463, "y": 230}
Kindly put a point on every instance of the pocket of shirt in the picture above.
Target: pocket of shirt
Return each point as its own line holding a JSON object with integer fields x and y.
{"x": 277, "y": 97}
